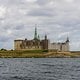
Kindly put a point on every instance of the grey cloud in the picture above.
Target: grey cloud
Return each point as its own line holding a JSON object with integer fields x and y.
{"x": 56, "y": 18}
{"x": 42, "y": 2}
{"x": 40, "y": 12}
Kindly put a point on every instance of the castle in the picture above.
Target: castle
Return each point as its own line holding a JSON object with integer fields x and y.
{"x": 37, "y": 44}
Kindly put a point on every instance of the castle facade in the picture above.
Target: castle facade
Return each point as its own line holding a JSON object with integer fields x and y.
{"x": 37, "y": 44}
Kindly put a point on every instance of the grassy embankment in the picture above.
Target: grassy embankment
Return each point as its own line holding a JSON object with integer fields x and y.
{"x": 23, "y": 54}
{"x": 38, "y": 54}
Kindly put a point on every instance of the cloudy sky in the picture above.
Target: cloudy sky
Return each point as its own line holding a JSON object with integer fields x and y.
{"x": 56, "y": 18}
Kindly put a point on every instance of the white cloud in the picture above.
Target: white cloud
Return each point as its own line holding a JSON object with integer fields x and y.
{"x": 69, "y": 0}
{"x": 57, "y": 18}
{"x": 9, "y": 32}
{"x": 63, "y": 34}
{"x": 2, "y": 11}
{"x": 31, "y": 0}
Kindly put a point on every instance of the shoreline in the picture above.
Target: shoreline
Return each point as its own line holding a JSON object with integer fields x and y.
{"x": 38, "y": 54}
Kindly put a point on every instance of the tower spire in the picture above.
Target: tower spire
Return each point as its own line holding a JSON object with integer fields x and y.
{"x": 35, "y": 34}
{"x": 38, "y": 37}
{"x": 67, "y": 39}
{"x": 45, "y": 36}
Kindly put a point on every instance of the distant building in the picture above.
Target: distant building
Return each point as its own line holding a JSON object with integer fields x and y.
{"x": 37, "y": 44}
{"x": 59, "y": 46}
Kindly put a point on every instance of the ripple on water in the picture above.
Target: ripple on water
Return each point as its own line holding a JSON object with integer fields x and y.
{"x": 40, "y": 69}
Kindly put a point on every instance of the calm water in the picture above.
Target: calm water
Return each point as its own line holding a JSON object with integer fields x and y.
{"x": 40, "y": 69}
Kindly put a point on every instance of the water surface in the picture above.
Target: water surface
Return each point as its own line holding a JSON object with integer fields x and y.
{"x": 39, "y": 68}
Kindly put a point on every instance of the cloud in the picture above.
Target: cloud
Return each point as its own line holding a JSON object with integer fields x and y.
{"x": 69, "y": 1}
{"x": 56, "y": 18}
{"x": 2, "y": 12}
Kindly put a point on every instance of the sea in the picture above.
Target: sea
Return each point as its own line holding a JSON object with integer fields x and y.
{"x": 39, "y": 68}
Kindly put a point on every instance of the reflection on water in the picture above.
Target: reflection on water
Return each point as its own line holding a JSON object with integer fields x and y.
{"x": 40, "y": 69}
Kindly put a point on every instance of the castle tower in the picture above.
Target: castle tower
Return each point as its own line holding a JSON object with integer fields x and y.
{"x": 38, "y": 37}
{"x": 17, "y": 44}
{"x": 45, "y": 37}
{"x": 35, "y": 34}
{"x": 45, "y": 43}
{"x": 67, "y": 44}
{"x": 67, "y": 39}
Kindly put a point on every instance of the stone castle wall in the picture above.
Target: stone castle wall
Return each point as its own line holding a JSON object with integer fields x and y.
{"x": 37, "y": 44}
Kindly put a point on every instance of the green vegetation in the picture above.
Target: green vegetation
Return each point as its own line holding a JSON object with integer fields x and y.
{"x": 3, "y": 49}
{"x": 23, "y": 53}
{"x": 37, "y": 54}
